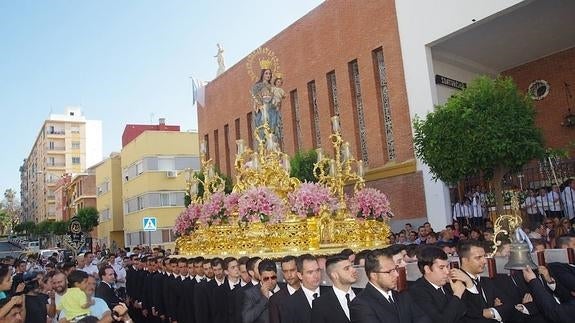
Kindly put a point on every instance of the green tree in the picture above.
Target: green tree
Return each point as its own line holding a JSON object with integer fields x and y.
{"x": 487, "y": 129}
{"x": 88, "y": 218}
{"x": 60, "y": 227}
{"x": 27, "y": 227}
{"x": 302, "y": 165}
{"x": 44, "y": 228}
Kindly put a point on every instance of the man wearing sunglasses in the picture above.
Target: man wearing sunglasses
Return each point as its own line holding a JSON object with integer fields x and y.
{"x": 379, "y": 302}
{"x": 256, "y": 298}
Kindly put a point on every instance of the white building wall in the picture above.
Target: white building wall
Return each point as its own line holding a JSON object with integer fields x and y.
{"x": 93, "y": 142}
{"x": 420, "y": 24}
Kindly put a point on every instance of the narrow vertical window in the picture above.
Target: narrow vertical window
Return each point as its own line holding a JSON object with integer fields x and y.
{"x": 314, "y": 114}
{"x": 237, "y": 126}
{"x": 383, "y": 92}
{"x": 217, "y": 149}
{"x": 227, "y": 148}
{"x": 207, "y": 141}
{"x": 358, "y": 104}
{"x": 250, "y": 129}
{"x": 332, "y": 93}
{"x": 296, "y": 120}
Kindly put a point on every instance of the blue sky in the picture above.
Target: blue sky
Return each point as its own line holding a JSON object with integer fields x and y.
{"x": 123, "y": 61}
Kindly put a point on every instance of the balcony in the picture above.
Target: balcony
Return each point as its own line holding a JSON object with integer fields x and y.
{"x": 55, "y": 164}
{"x": 55, "y": 132}
{"x": 55, "y": 149}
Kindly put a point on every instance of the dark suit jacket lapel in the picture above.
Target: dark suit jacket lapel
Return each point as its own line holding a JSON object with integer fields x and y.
{"x": 385, "y": 309}
{"x": 332, "y": 299}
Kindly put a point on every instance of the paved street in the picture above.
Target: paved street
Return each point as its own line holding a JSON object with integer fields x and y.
{"x": 7, "y": 249}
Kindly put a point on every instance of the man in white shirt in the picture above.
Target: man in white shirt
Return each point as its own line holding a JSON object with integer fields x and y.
{"x": 277, "y": 301}
{"x": 482, "y": 299}
{"x": 90, "y": 267}
{"x": 568, "y": 198}
{"x": 554, "y": 200}
{"x": 379, "y": 302}
{"x": 333, "y": 305}
{"x": 298, "y": 306}
{"x": 436, "y": 293}
{"x": 530, "y": 206}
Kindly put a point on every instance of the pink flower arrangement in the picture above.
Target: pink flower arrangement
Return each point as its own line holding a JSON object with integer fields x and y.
{"x": 260, "y": 204}
{"x": 213, "y": 210}
{"x": 309, "y": 198}
{"x": 370, "y": 203}
{"x": 187, "y": 220}
{"x": 231, "y": 203}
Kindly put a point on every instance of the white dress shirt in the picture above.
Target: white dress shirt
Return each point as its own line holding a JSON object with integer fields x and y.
{"x": 343, "y": 300}
{"x": 290, "y": 289}
{"x": 309, "y": 294}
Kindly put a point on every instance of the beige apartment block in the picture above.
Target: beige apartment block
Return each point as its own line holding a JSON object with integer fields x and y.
{"x": 66, "y": 144}
{"x": 110, "y": 231}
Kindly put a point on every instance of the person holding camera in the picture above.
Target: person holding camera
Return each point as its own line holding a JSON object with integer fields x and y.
{"x": 36, "y": 305}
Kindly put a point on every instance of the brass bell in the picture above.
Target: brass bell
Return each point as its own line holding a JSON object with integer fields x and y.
{"x": 520, "y": 257}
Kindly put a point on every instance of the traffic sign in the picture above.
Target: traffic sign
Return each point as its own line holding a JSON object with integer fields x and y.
{"x": 150, "y": 224}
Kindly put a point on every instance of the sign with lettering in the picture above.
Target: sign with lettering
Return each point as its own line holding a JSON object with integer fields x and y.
{"x": 443, "y": 80}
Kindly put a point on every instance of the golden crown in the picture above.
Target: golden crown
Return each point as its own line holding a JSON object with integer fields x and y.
{"x": 278, "y": 75}
{"x": 265, "y": 64}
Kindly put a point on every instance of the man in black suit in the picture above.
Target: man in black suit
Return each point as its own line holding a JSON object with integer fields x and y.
{"x": 379, "y": 302}
{"x": 435, "y": 293}
{"x": 277, "y": 301}
{"x": 484, "y": 302}
{"x": 184, "y": 307}
{"x": 561, "y": 313}
{"x": 298, "y": 305}
{"x": 256, "y": 298}
{"x": 224, "y": 295}
{"x": 564, "y": 273}
{"x": 105, "y": 289}
{"x": 333, "y": 305}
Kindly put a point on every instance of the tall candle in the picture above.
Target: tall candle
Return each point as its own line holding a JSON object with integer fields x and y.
{"x": 335, "y": 123}
{"x": 319, "y": 152}
{"x": 194, "y": 189}
{"x": 265, "y": 114}
{"x": 203, "y": 147}
{"x": 240, "y": 144}
{"x": 346, "y": 152}
{"x": 286, "y": 162}
{"x": 360, "y": 172}
{"x": 332, "y": 167}
{"x": 270, "y": 142}
{"x": 255, "y": 161}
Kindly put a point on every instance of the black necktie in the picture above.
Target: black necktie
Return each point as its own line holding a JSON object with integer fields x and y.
{"x": 347, "y": 297}
{"x": 390, "y": 300}
{"x": 315, "y": 295}
{"x": 480, "y": 289}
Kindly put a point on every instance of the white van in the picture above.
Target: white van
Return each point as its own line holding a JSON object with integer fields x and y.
{"x": 33, "y": 246}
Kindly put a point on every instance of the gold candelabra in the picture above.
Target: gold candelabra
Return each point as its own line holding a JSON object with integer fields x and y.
{"x": 266, "y": 166}
{"x": 211, "y": 182}
{"x": 336, "y": 172}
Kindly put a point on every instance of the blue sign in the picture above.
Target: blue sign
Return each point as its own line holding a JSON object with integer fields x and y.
{"x": 150, "y": 224}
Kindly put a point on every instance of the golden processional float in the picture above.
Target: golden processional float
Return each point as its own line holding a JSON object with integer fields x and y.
{"x": 268, "y": 213}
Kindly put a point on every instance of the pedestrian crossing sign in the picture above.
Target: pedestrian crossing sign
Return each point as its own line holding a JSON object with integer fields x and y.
{"x": 150, "y": 224}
